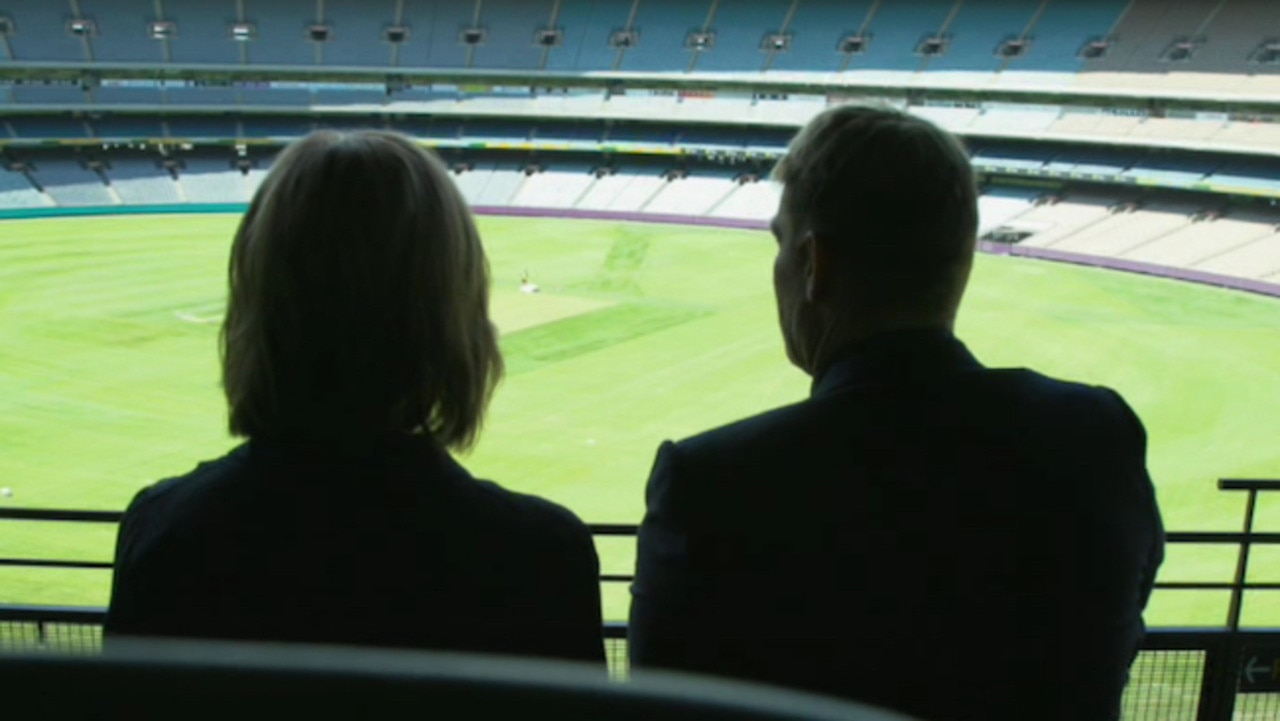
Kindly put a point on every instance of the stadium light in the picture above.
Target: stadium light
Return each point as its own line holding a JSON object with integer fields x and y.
{"x": 1180, "y": 50}
{"x": 1095, "y": 49}
{"x": 82, "y": 27}
{"x": 624, "y": 39}
{"x": 243, "y": 32}
{"x": 1013, "y": 48}
{"x": 776, "y": 43}
{"x": 1267, "y": 53}
{"x": 162, "y": 30}
{"x": 698, "y": 40}
{"x": 933, "y": 45}
{"x": 854, "y": 44}
{"x": 549, "y": 38}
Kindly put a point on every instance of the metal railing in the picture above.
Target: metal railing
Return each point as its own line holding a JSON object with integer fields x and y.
{"x": 1220, "y": 673}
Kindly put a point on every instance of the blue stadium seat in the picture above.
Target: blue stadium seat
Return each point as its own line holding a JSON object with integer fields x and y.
{"x": 40, "y": 31}
{"x": 496, "y": 129}
{"x": 587, "y": 25}
{"x": 282, "y": 29}
{"x": 282, "y": 127}
{"x": 140, "y": 181}
{"x": 816, "y": 31}
{"x": 130, "y": 96}
{"x": 1063, "y": 29}
{"x": 978, "y": 30}
{"x": 210, "y": 95}
{"x": 896, "y": 29}
{"x": 126, "y": 126}
{"x": 357, "y": 32}
{"x": 291, "y": 97}
{"x": 1093, "y": 161}
{"x": 349, "y": 97}
{"x": 739, "y": 28}
{"x": 710, "y": 136}
{"x": 663, "y": 26}
{"x": 48, "y": 94}
{"x": 510, "y": 26}
{"x": 70, "y": 184}
{"x": 441, "y": 128}
{"x": 642, "y": 134}
{"x": 351, "y": 122}
{"x": 435, "y": 27}
{"x": 47, "y": 126}
{"x": 204, "y": 31}
{"x": 212, "y": 126}
{"x": 122, "y": 30}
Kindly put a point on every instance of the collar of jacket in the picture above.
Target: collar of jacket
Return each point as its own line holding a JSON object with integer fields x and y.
{"x": 897, "y": 356}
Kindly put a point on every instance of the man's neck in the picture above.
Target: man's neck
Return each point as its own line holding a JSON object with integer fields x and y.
{"x": 843, "y": 339}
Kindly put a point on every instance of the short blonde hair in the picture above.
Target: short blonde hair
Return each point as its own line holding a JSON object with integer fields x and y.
{"x": 359, "y": 296}
{"x": 897, "y": 192}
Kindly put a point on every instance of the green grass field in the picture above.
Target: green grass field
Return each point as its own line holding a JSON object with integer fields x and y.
{"x": 109, "y": 378}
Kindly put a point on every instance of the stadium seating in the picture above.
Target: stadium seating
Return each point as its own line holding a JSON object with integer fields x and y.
{"x": 636, "y": 193}
{"x": 1255, "y": 259}
{"x": 1061, "y": 32}
{"x": 277, "y": 32}
{"x": 1124, "y": 231}
{"x": 207, "y": 180}
{"x": 816, "y": 31}
{"x": 357, "y": 34}
{"x": 558, "y": 188}
{"x": 603, "y": 192}
{"x": 138, "y": 181}
{"x": 749, "y": 201}
{"x": 41, "y": 32}
{"x": 896, "y": 30}
{"x": 977, "y": 29}
{"x": 694, "y": 195}
{"x": 663, "y": 26}
{"x": 1201, "y": 241}
{"x": 502, "y": 185}
{"x": 121, "y": 31}
{"x": 203, "y": 35}
{"x": 47, "y": 126}
{"x": 17, "y": 192}
{"x": 739, "y": 30}
{"x": 1053, "y": 221}
{"x": 1001, "y": 205}
{"x": 71, "y": 185}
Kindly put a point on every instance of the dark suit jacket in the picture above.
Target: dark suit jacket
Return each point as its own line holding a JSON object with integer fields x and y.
{"x": 387, "y": 544}
{"x": 921, "y": 533}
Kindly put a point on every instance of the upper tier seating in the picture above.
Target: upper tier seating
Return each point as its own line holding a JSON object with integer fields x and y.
{"x": 579, "y": 35}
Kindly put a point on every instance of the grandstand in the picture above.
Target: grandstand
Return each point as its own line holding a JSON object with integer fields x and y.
{"x": 1141, "y": 135}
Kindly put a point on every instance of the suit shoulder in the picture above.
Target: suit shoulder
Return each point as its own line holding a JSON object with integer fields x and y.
{"x": 174, "y": 493}
{"x": 527, "y": 514}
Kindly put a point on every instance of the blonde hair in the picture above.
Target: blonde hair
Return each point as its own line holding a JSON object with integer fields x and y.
{"x": 896, "y": 190}
{"x": 358, "y": 301}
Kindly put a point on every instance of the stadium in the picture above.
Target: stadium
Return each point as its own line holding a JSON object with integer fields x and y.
{"x": 617, "y": 153}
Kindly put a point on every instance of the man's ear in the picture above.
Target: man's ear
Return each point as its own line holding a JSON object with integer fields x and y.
{"x": 818, "y": 267}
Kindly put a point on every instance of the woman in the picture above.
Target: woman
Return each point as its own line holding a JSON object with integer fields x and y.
{"x": 356, "y": 349}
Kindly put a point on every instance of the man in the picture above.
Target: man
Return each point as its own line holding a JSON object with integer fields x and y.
{"x": 922, "y": 532}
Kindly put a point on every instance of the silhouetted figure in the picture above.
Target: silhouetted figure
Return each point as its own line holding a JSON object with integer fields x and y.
{"x": 922, "y": 532}
{"x": 356, "y": 349}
